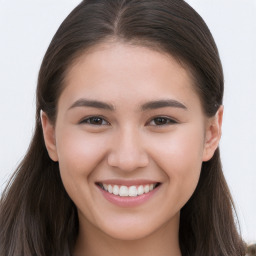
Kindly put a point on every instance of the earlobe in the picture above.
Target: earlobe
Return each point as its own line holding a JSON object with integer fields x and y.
{"x": 213, "y": 134}
{"x": 49, "y": 136}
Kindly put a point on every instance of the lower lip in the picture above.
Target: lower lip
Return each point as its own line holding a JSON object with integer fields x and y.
{"x": 129, "y": 201}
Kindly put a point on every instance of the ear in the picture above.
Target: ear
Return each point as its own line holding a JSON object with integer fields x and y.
{"x": 49, "y": 136}
{"x": 213, "y": 134}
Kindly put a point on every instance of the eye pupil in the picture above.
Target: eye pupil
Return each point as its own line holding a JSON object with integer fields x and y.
{"x": 160, "y": 121}
{"x": 96, "y": 120}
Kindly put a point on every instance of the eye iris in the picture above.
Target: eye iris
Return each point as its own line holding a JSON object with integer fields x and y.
{"x": 160, "y": 121}
{"x": 96, "y": 120}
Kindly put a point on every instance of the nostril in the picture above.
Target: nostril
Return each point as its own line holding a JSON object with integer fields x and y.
{"x": 129, "y": 161}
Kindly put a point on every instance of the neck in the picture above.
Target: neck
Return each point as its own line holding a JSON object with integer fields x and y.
{"x": 162, "y": 242}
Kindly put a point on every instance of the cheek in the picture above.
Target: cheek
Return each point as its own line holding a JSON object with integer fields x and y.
{"x": 179, "y": 155}
{"x": 79, "y": 152}
{"x": 182, "y": 146}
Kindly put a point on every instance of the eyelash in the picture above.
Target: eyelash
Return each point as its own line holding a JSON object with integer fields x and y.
{"x": 89, "y": 121}
{"x": 164, "y": 120}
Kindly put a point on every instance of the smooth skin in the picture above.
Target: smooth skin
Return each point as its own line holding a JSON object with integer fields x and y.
{"x": 127, "y": 137}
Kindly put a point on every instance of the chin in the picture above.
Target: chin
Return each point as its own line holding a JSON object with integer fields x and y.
{"x": 128, "y": 234}
{"x": 135, "y": 228}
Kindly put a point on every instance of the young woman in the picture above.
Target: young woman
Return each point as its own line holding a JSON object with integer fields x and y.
{"x": 125, "y": 158}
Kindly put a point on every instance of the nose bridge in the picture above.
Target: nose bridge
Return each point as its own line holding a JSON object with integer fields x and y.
{"x": 127, "y": 151}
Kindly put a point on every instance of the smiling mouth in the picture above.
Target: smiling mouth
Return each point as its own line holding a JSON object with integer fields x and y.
{"x": 128, "y": 191}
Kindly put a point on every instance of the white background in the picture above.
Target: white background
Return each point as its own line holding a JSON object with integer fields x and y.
{"x": 26, "y": 28}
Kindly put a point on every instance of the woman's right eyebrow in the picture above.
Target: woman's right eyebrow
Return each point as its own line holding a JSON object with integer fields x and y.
{"x": 92, "y": 103}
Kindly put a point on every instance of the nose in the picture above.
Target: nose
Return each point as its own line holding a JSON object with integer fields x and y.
{"x": 127, "y": 151}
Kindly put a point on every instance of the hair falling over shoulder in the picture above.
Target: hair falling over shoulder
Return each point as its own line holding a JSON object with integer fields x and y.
{"x": 37, "y": 217}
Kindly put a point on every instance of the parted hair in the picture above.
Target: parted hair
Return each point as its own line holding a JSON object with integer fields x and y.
{"x": 37, "y": 217}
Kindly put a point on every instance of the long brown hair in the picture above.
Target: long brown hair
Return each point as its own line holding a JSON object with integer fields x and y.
{"x": 37, "y": 217}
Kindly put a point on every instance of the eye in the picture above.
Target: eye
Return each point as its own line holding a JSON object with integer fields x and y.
{"x": 160, "y": 121}
{"x": 94, "y": 120}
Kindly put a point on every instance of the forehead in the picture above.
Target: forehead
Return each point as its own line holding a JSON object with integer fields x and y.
{"x": 130, "y": 72}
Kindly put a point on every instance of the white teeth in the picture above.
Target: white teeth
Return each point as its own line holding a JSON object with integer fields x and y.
{"x": 110, "y": 190}
{"x": 116, "y": 190}
{"x": 123, "y": 191}
{"x": 131, "y": 191}
{"x": 105, "y": 186}
{"x": 140, "y": 190}
{"x": 146, "y": 189}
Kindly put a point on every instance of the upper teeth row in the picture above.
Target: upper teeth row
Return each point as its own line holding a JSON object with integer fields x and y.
{"x": 128, "y": 191}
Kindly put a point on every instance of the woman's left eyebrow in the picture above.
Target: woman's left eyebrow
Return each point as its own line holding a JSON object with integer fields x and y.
{"x": 162, "y": 104}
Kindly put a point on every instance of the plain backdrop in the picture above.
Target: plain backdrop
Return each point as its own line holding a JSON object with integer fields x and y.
{"x": 26, "y": 28}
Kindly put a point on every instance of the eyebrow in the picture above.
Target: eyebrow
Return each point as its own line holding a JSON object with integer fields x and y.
{"x": 147, "y": 106}
{"x": 162, "y": 104}
{"x": 92, "y": 103}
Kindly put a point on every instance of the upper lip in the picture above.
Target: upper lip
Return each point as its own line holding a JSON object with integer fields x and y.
{"x": 127, "y": 182}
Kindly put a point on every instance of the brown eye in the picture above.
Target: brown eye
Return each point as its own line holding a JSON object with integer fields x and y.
{"x": 94, "y": 120}
{"x": 158, "y": 121}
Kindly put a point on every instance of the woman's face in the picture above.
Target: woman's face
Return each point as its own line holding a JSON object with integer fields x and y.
{"x": 129, "y": 122}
